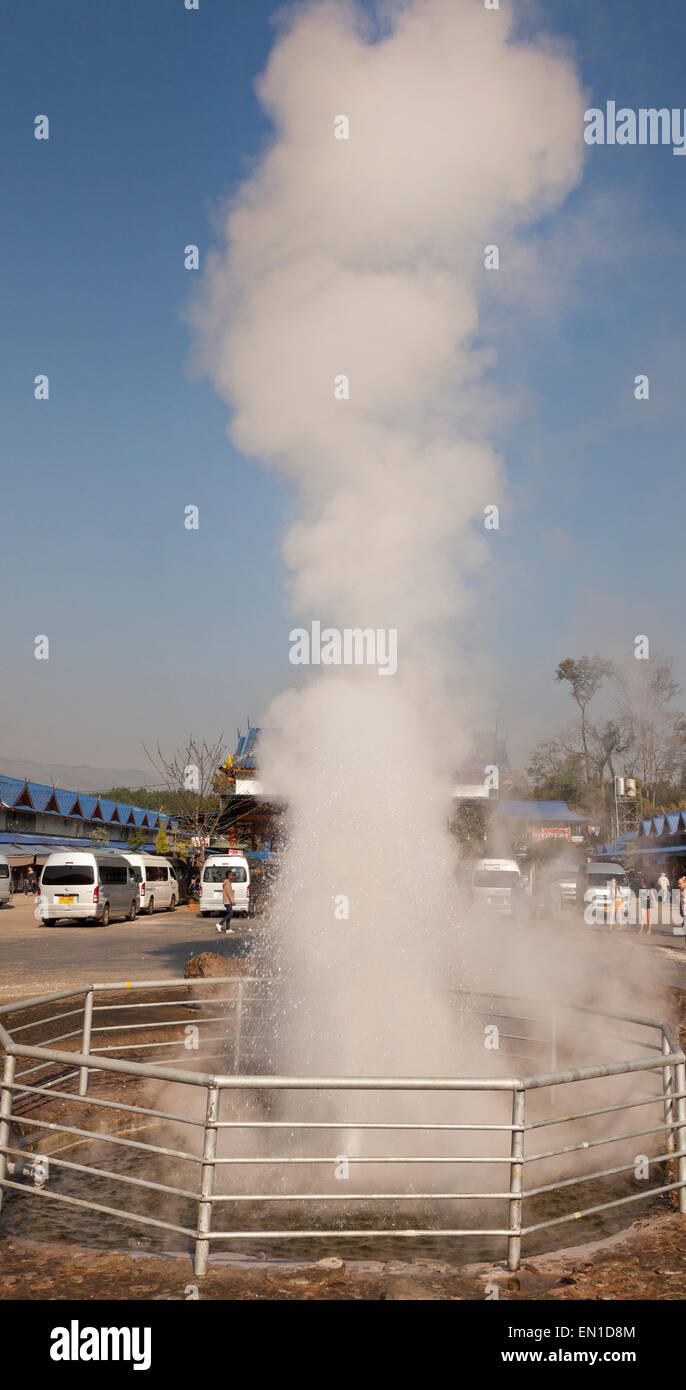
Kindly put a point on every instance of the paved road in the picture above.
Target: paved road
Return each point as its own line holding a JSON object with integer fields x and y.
{"x": 35, "y": 959}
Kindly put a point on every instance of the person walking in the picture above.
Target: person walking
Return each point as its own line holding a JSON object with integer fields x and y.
{"x": 229, "y": 904}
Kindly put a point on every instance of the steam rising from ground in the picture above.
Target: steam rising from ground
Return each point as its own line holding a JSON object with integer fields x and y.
{"x": 365, "y": 257}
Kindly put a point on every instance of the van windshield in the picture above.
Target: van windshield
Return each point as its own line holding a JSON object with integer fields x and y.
{"x": 71, "y": 874}
{"x": 495, "y": 878}
{"x": 597, "y": 878}
{"x": 217, "y": 873}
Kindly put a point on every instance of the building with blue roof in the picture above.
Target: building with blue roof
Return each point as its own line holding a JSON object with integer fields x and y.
{"x": 36, "y": 819}
{"x": 659, "y": 844}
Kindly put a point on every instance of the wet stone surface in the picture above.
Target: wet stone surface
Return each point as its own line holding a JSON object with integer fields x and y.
{"x": 648, "y": 1261}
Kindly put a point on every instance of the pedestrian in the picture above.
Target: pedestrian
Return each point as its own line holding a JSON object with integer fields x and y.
{"x": 229, "y": 904}
{"x": 665, "y": 890}
{"x": 645, "y": 901}
{"x": 682, "y": 902}
{"x": 614, "y": 904}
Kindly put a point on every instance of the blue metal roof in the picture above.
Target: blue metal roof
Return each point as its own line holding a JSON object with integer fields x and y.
{"x": 246, "y": 747}
{"x": 82, "y": 806}
{"x": 10, "y": 789}
{"x": 539, "y": 811}
{"x": 673, "y": 823}
{"x": 65, "y": 800}
{"x": 36, "y": 843}
{"x": 40, "y": 795}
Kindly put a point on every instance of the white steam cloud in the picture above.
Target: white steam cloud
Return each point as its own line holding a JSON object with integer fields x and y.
{"x": 365, "y": 257}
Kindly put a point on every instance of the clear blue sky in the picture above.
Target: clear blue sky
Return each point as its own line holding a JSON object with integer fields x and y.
{"x": 158, "y": 631}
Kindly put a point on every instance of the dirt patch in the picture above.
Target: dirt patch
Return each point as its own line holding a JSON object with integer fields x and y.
{"x": 208, "y": 965}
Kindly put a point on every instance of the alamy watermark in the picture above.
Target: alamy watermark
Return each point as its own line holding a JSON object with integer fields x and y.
{"x": 626, "y": 126}
{"x": 349, "y": 646}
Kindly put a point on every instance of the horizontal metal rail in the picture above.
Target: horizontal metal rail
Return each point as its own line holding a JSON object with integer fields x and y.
{"x": 98, "y": 1206}
{"x": 112, "y": 1176}
{"x": 107, "y": 1104}
{"x": 117, "y": 1139}
{"x": 600, "y": 1206}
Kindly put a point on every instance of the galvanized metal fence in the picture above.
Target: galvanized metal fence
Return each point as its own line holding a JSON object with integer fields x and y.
{"x": 62, "y": 1094}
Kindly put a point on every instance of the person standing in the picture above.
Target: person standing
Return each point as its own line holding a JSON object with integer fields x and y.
{"x": 229, "y": 903}
{"x": 681, "y": 883}
{"x": 664, "y": 888}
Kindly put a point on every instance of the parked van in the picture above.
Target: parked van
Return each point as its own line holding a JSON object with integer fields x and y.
{"x": 85, "y": 886}
{"x": 5, "y": 880}
{"x": 158, "y": 884}
{"x": 603, "y": 890}
{"x": 213, "y": 875}
{"x": 497, "y": 884}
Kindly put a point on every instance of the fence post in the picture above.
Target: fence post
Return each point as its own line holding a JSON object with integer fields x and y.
{"x": 239, "y": 1023}
{"x": 6, "y": 1113}
{"x": 86, "y": 1039}
{"x": 514, "y": 1240}
{"x": 209, "y": 1154}
{"x": 668, "y": 1093}
{"x": 680, "y": 1086}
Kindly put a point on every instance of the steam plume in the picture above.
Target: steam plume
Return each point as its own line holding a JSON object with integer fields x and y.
{"x": 365, "y": 257}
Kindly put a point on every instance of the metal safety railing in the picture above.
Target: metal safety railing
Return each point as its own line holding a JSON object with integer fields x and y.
{"x": 49, "y": 1094}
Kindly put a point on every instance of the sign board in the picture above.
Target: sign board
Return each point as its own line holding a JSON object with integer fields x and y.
{"x": 550, "y": 832}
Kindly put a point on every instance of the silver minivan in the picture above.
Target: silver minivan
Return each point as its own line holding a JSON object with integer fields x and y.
{"x": 497, "y": 884}
{"x": 86, "y": 886}
{"x": 5, "y": 880}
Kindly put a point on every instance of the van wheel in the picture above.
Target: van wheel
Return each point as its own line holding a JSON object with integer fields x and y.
{"x": 105, "y": 919}
{"x": 133, "y": 910}
{"x": 151, "y": 907}
{"x": 49, "y": 921}
{"x": 172, "y": 904}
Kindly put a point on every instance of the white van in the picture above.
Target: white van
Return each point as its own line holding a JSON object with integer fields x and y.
{"x": 5, "y": 880}
{"x": 211, "y": 883}
{"x": 159, "y": 886}
{"x": 603, "y": 891}
{"x": 85, "y": 886}
{"x": 497, "y": 884}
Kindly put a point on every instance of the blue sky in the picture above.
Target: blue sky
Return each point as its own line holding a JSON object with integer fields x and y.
{"x": 156, "y": 631}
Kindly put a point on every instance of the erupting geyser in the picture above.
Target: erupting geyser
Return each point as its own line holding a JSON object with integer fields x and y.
{"x": 340, "y": 323}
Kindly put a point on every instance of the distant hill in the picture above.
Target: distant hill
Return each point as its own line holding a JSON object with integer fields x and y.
{"x": 79, "y": 779}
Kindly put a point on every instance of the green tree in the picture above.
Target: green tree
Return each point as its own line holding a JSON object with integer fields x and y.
{"x": 137, "y": 840}
{"x": 161, "y": 843}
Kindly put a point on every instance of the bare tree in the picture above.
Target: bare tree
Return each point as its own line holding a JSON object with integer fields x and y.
{"x": 657, "y": 732}
{"x": 585, "y": 677}
{"x": 606, "y": 742}
{"x": 193, "y": 773}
